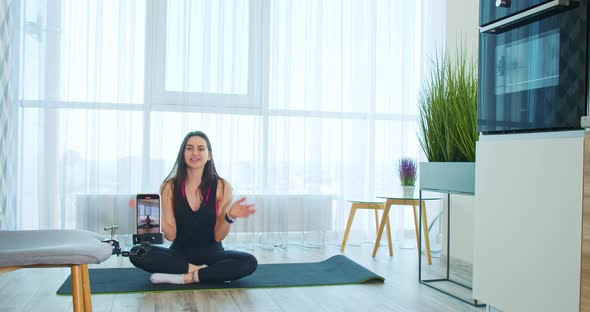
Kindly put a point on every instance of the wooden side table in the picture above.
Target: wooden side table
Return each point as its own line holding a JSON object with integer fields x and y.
{"x": 407, "y": 201}
{"x": 368, "y": 204}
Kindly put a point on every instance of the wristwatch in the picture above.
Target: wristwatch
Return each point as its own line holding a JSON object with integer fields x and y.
{"x": 228, "y": 219}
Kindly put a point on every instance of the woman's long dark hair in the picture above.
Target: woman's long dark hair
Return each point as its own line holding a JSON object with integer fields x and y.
{"x": 178, "y": 173}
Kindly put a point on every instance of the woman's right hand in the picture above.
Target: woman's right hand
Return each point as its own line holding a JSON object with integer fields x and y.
{"x": 240, "y": 210}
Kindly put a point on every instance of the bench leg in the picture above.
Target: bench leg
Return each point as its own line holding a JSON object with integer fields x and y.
{"x": 86, "y": 288}
{"x": 77, "y": 288}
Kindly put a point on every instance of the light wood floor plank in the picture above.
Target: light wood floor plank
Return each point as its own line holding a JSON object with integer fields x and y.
{"x": 295, "y": 299}
{"x": 252, "y": 300}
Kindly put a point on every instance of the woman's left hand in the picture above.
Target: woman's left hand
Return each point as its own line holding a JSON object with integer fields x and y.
{"x": 240, "y": 210}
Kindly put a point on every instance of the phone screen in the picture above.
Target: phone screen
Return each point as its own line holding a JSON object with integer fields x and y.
{"x": 148, "y": 213}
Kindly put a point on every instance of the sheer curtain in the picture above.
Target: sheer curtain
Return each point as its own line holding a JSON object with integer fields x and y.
{"x": 9, "y": 111}
{"x": 82, "y": 106}
{"x": 302, "y": 101}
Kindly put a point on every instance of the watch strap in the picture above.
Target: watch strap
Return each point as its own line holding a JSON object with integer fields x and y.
{"x": 228, "y": 219}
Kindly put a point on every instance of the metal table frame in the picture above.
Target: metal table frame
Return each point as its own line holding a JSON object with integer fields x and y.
{"x": 432, "y": 282}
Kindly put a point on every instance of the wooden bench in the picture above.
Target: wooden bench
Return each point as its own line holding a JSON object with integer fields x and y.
{"x": 52, "y": 249}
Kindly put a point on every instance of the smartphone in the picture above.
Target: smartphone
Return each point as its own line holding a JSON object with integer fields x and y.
{"x": 147, "y": 211}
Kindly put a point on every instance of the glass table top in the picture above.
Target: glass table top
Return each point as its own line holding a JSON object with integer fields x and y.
{"x": 366, "y": 201}
{"x": 401, "y": 197}
{"x": 381, "y": 199}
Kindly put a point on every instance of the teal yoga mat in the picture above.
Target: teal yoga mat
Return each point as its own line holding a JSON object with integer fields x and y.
{"x": 337, "y": 270}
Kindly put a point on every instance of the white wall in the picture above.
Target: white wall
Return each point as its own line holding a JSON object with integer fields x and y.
{"x": 462, "y": 25}
{"x": 462, "y": 30}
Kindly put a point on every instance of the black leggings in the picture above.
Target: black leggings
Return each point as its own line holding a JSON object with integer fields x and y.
{"x": 222, "y": 265}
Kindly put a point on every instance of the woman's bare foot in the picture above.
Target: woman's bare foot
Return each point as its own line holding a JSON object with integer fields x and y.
{"x": 193, "y": 273}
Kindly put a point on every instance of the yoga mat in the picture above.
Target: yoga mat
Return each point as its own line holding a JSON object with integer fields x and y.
{"x": 337, "y": 270}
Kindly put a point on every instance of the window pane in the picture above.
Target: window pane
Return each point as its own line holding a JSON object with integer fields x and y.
{"x": 320, "y": 56}
{"x": 101, "y": 51}
{"x": 207, "y": 46}
{"x": 84, "y": 51}
{"x": 72, "y": 151}
{"x": 317, "y": 155}
{"x": 397, "y": 61}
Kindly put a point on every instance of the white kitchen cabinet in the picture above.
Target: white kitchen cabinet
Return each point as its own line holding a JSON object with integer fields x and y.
{"x": 527, "y": 221}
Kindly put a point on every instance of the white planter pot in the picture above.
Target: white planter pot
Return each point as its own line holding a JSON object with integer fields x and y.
{"x": 408, "y": 191}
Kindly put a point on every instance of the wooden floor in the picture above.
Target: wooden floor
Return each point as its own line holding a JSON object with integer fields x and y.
{"x": 34, "y": 289}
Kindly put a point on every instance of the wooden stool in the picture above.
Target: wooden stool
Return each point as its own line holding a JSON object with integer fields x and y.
{"x": 375, "y": 205}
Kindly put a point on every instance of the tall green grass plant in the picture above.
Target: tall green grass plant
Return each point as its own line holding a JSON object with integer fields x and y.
{"x": 448, "y": 110}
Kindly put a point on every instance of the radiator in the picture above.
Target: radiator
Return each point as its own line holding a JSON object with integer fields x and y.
{"x": 274, "y": 213}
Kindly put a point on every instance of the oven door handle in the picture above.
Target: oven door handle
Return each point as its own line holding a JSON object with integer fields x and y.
{"x": 524, "y": 16}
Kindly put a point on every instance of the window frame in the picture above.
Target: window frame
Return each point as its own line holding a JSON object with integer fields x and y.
{"x": 155, "y": 69}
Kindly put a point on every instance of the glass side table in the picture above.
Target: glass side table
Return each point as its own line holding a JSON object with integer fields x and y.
{"x": 415, "y": 202}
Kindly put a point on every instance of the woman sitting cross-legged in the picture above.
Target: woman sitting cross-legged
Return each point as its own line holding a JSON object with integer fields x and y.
{"x": 197, "y": 213}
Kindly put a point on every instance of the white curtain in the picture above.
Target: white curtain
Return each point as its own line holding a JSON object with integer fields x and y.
{"x": 299, "y": 98}
{"x": 9, "y": 112}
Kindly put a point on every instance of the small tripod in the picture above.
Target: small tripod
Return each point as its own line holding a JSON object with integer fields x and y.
{"x": 145, "y": 244}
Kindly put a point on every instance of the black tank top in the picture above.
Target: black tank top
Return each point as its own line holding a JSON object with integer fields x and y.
{"x": 196, "y": 229}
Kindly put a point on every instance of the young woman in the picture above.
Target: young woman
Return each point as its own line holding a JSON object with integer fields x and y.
{"x": 197, "y": 215}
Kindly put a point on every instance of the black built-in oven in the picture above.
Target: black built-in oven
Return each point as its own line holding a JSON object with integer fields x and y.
{"x": 533, "y": 65}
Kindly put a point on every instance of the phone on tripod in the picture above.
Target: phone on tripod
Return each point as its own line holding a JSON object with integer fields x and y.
{"x": 147, "y": 220}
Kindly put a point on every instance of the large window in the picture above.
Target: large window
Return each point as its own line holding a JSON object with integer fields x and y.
{"x": 301, "y": 97}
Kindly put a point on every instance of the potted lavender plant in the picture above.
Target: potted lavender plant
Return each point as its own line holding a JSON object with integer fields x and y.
{"x": 407, "y": 175}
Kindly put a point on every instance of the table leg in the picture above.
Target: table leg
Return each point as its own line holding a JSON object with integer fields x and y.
{"x": 376, "y": 220}
{"x": 426, "y": 236}
{"x": 416, "y": 227}
{"x": 384, "y": 219}
{"x": 389, "y": 238}
{"x": 346, "y": 232}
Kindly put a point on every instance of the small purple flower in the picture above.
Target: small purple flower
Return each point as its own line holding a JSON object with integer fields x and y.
{"x": 407, "y": 171}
